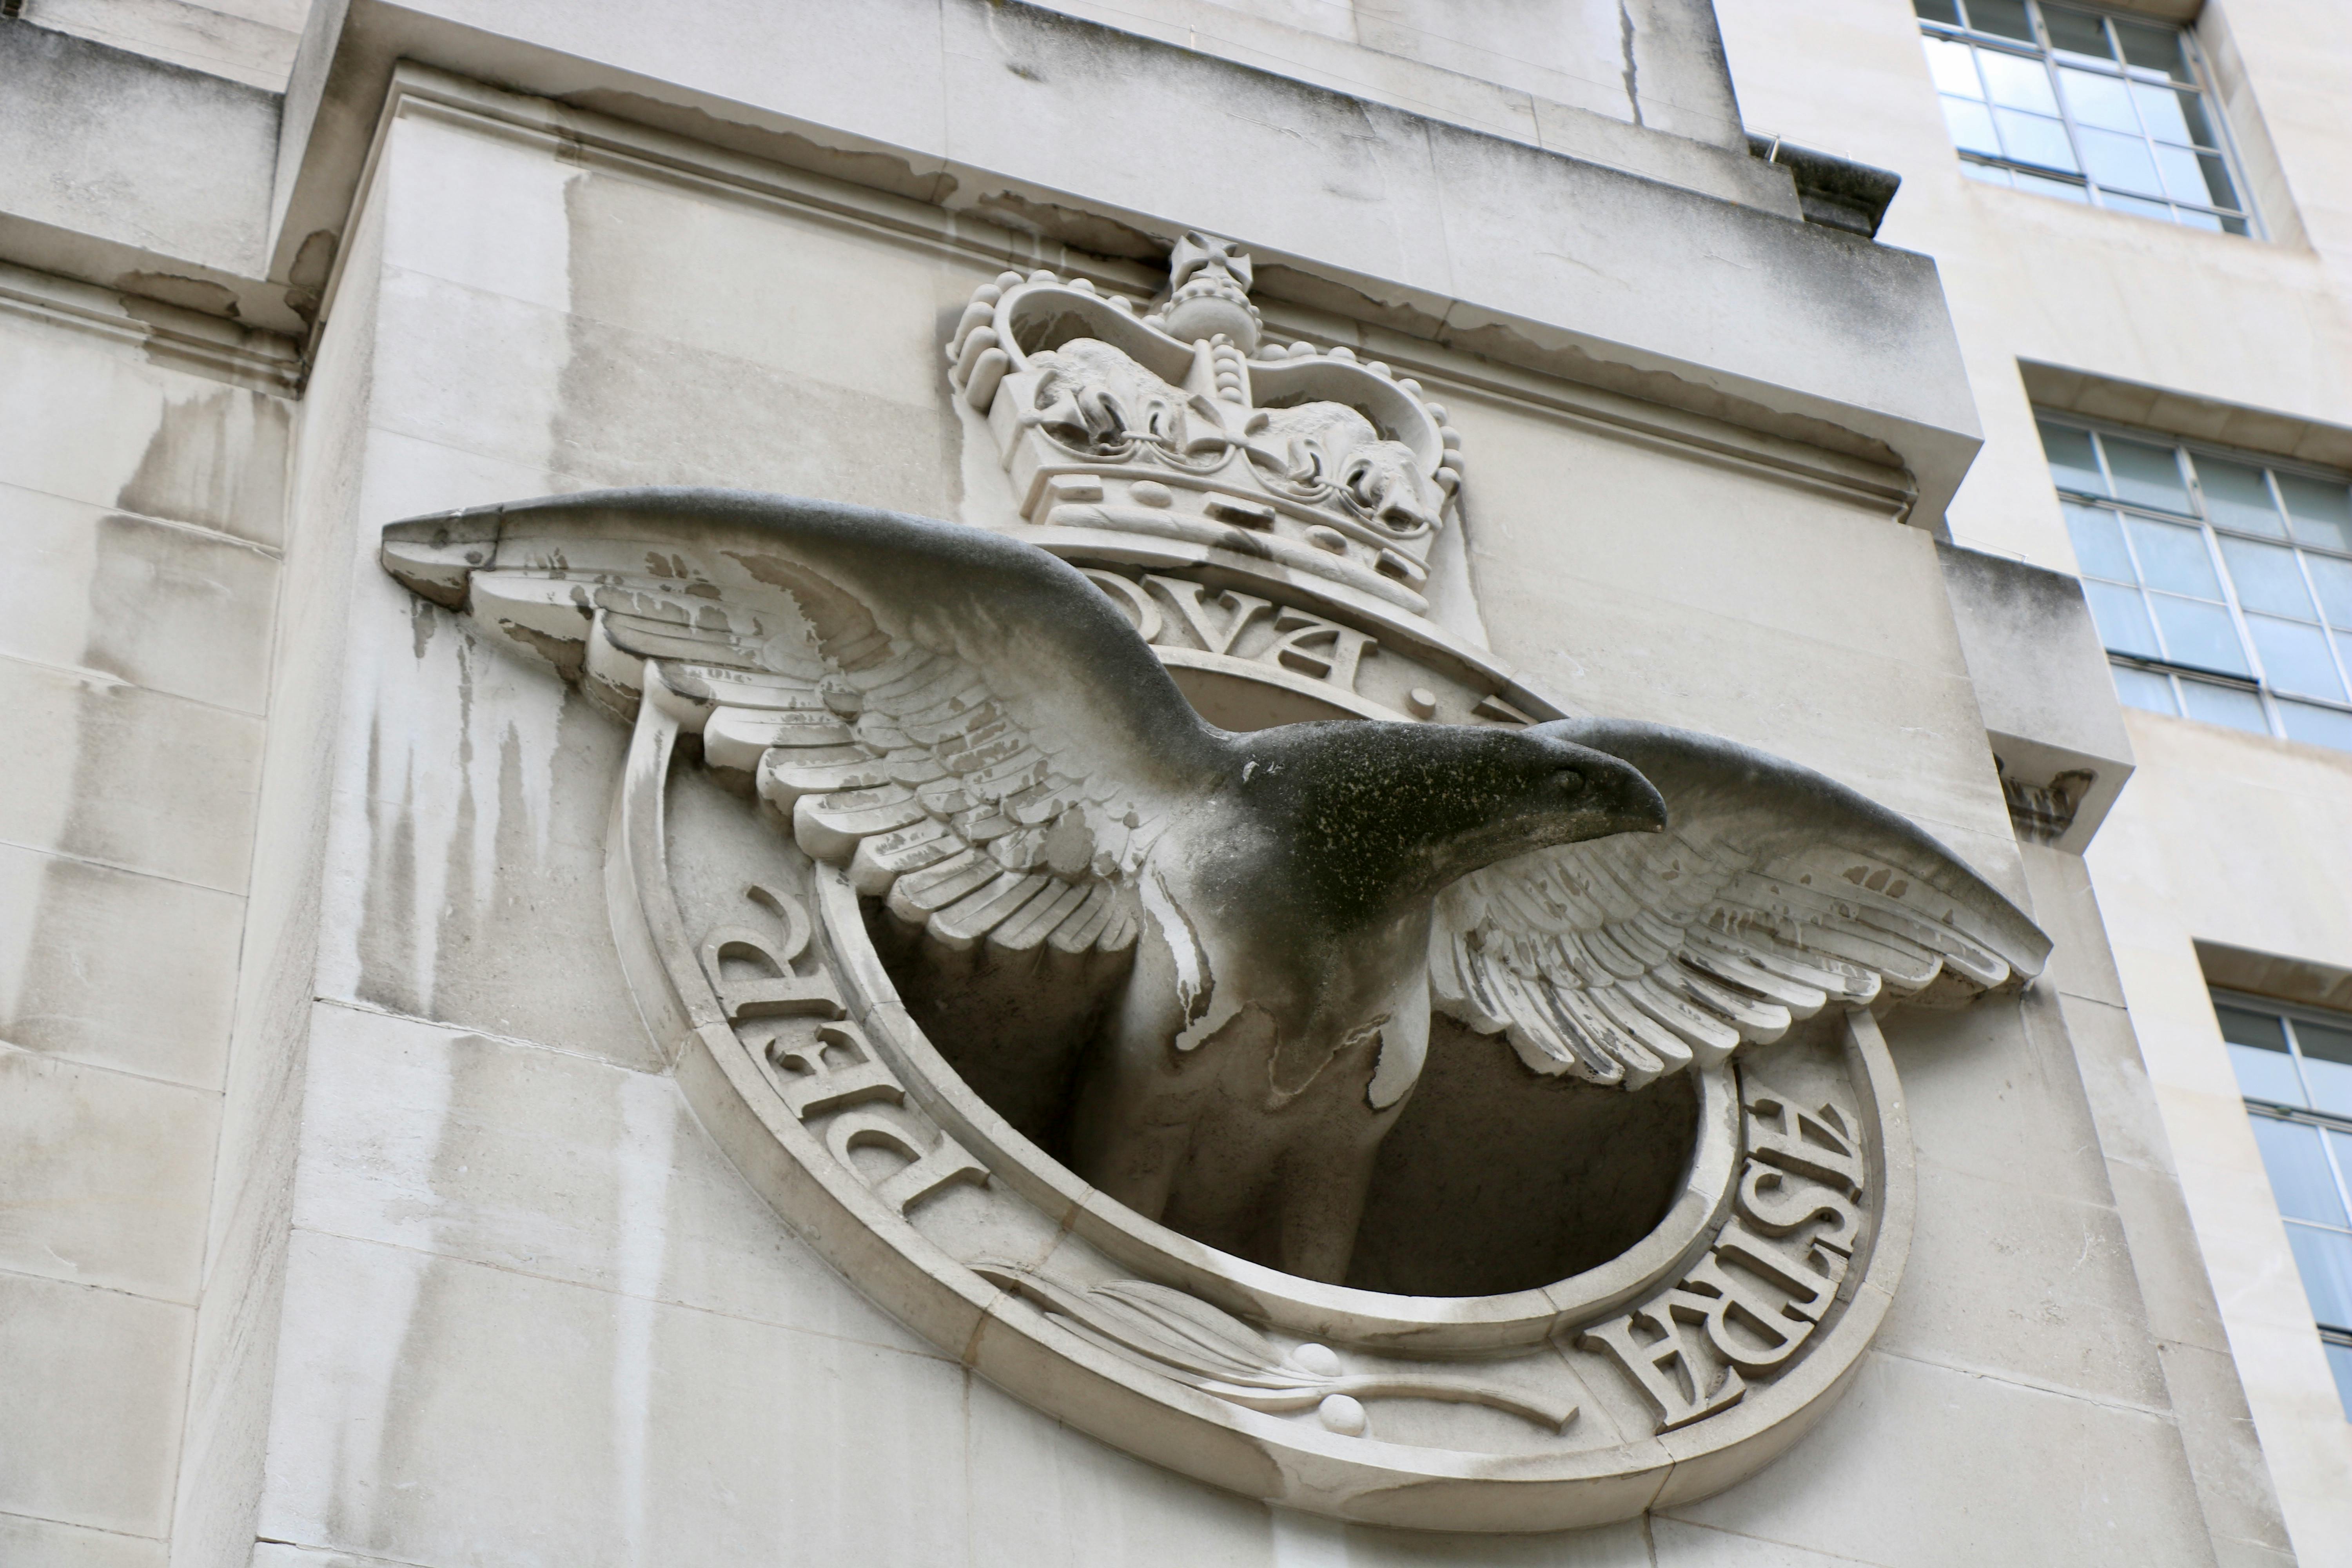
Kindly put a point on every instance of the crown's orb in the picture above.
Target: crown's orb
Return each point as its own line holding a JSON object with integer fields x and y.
{"x": 1201, "y": 309}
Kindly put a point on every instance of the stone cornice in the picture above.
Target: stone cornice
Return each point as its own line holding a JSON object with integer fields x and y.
{"x": 647, "y": 154}
{"x": 189, "y": 340}
{"x": 1357, "y": 210}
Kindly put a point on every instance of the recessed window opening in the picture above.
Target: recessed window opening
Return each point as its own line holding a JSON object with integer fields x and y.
{"x": 2294, "y": 1069}
{"x": 2221, "y": 583}
{"x": 2086, "y": 106}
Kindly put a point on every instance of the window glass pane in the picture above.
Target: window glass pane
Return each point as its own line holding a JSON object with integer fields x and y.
{"x": 2339, "y": 1143}
{"x": 2236, "y": 497}
{"x": 2122, "y": 617}
{"x": 2326, "y": 1066}
{"x": 2019, "y": 80}
{"x": 2173, "y": 558}
{"x": 2259, "y": 1053}
{"x": 2119, "y": 161}
{"x": 1971, "y": 127}
{"x": 2096, "y": 100}
{"x": 2295, "y": 657}
{"x": 2322, "y": 510}
{"x": 2032, "y": 139}
{"x": 2098, "y": 542}
{"x": 2184, "y": 175}
{"x": 2316, "y": 726}
{"x": 2226, "y": 705}
{"x": 2075, "y": 33}
{"x": 2073, "y": 465}
{"x": 2153, "y": 47}
{"x": 2005, "y": 18}
{"x": 1945, "y": 11}
{"x": 2217, "y": 182}
{"x": 2266, "y": 1075}
{"x": 2339, "y": 1362}
{"x": 2143, "y": 689}
{"x": 2138, "y": 207}
{"x": 1953, "y": 67}
{"x": 2255, "y": 1031}
{"x": 2200, "y": 633}
{"x": 2333, "y": 579}
{"x": 2267, "y": 579}
{"x": 2147, "y": 475}
{"x": 2301, "y": 1178}
{"x": 2236, "y": 226}
{"x": 2171, "y": 115}
{"x": 2325, "y": 1258}
{"x": 2041, "y": 184}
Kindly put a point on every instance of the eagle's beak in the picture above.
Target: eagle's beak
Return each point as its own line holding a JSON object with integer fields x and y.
{"x": 1640, "y": 808}
{"x": 1650, "y": 807}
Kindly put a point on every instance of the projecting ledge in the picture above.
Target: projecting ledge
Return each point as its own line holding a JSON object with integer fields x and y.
{"x": 998, "y": 112}
{"x": 2041, "y": 683}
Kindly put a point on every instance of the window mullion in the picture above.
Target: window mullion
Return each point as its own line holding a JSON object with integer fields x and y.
{"x": 2065, "y": 116}
{"x": 2208, "y": 94}
{"x": 2237, "y": 614}
{"x": 2343, "y": 1185}
{"x": 2319, "y": 608}
{"x": 2140, "y": 579}
{"x": 2066, "y": 119}
{"x": 2295, "y": 1054}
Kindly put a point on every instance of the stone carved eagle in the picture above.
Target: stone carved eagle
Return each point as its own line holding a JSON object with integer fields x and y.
{"x": 1201, "y": 966}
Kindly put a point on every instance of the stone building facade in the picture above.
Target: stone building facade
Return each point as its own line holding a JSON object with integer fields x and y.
{"x": 374, "y": 1191}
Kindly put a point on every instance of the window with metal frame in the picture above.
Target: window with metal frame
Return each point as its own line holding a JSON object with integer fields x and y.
{"x": 2086, "y": 106}
{"x": 2221, "y": 583}
{"x": 2294, "y": 1069}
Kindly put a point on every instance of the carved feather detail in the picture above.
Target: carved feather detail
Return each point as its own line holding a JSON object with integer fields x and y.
{"x": 1775, "y": 893}
{"x": 883, "y": 741}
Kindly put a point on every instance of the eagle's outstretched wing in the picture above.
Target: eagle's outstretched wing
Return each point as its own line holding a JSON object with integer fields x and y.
{"x": 965, "y": 723}
{"x": 1773, "y": 892}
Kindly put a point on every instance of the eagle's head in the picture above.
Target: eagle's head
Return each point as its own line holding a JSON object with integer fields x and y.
{"x": 1373, "y": 817}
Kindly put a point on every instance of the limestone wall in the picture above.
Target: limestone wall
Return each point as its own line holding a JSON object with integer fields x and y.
{"x": 530, "y": 1311}
{"x": 360, "y": 1220}
{"x": 2220, "y": 837}
{"x": 142, "y": 534}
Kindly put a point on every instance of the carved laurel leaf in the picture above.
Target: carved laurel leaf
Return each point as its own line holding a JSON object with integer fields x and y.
{"x": 1179, "y": 1330}
{"x": 1219, "y": 1354}
{"x": 1183, "y": 1329}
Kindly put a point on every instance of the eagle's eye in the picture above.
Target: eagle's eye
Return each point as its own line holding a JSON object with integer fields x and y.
{"x": 1568, "y": 780}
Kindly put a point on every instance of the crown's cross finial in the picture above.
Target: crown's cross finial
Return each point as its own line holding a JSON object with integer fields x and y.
{"x": 1197, "y": 250}
{"x": 1208, "y": 293}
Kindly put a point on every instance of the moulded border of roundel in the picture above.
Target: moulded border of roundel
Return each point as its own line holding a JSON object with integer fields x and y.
{"x": 1128, "y": 1403}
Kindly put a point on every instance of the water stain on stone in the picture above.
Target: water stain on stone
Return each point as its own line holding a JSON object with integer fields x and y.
{"x": 422, "y": 618}
{"x": 198, "y": 294}
{"x": 177, "y": 612}
{"x": 1072, "y": 227}
{"x": 306, "y": 279}
{"x": 217, "y": 459}
{"x": 387, "y": 953}
{"x": 136, "y": 565}
{"x": 876, "y": 170}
